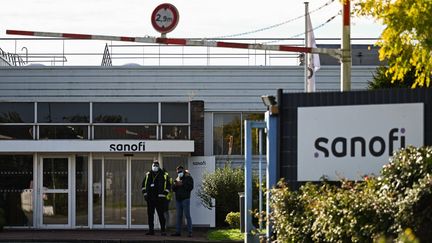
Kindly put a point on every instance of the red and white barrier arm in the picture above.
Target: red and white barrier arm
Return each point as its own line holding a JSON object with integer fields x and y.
{"x": 181, "y": 42}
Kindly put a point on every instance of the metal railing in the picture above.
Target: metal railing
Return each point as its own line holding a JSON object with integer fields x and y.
{"x": 12, "y": 59}
{"x": 76, "y": 52}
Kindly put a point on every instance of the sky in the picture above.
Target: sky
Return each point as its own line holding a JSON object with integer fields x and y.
{"x": 198, "y": 19}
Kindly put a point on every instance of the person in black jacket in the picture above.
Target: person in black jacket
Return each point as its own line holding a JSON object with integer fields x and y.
{"x": 155, "y": 187}
{"x": 182, "y": 187}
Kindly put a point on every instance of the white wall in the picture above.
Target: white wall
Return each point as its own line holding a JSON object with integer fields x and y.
{"x": 222, "y": 88}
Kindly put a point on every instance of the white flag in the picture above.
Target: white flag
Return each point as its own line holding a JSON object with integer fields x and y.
{"x": 313, "y": 59}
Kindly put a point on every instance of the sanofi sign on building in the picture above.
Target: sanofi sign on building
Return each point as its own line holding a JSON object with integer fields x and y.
{"x": 353, "y": 140}
{"x": 97, "y": 146}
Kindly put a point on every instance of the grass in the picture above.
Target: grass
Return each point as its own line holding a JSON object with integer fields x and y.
{"x": 226, "y": 235}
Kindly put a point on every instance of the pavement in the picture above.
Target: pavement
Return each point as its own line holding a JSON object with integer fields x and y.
{"x": 98, "y": 236}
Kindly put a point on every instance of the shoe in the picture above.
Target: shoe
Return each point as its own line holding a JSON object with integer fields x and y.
{"x": 176, "y": 234}
{"x": 190, "y": 234}
{"x": 150, "y": 232}
{"x": 163, "y": 233}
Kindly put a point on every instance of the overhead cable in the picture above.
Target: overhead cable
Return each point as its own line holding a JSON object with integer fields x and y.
{"x": 319, "y": 26}
{"x": 304, "y": 33}
{"x": 275, "y": 25}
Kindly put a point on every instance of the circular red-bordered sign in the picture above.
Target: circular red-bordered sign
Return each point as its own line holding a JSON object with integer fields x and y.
{"x": 165, "y": 18}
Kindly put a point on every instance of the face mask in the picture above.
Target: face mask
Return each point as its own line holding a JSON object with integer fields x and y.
{"x": 180, "y": 174}
{"x": 155, "y": 168}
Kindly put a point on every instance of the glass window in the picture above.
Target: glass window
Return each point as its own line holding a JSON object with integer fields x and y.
{"x": 125, "y": 132}
{"x": 97, "y": 191}
{"x": 175, "y": 112}
{"x": 227, "y": 134}
{"x": 55, "y": 112}
{"x": 16, "y": 112}
{"x": 55, "y": 173}
{"x": 16, "y": 187}
{"x": 63, "y": 132}
{"x": 81, "y": 181}
{"x": 175, "y": 132}
{"x": 125, "y": 112}
{"x": 16, "y": 132}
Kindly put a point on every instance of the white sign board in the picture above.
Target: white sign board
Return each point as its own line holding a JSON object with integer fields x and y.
{"x": 352, "y": 141}
{"x": 198, "y": 166}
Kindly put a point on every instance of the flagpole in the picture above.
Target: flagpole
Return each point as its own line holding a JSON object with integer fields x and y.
{"x": 305, "y": 54}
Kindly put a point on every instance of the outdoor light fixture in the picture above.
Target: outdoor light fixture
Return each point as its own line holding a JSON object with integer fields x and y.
{"x": 270, "y": 102}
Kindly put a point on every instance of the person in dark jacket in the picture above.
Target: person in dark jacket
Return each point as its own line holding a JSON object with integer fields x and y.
{"x": 182, "y": 187}
{"x": 155, "y": 187}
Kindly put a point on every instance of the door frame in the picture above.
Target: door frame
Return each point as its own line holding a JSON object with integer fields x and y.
{"x": 40, "y": 191}
{"x": 128, "y": 160}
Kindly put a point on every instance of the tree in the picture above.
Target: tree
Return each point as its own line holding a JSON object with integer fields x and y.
{"x": 381, "y": 80}
{"x": 407, "y": 38}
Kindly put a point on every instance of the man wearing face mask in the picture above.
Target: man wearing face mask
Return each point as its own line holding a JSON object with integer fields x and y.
{"x": 155, "y": 188}
{"x": 182, "y": 187}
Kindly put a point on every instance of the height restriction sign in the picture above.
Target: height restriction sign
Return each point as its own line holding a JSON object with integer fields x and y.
{"x": 165, "y": 18}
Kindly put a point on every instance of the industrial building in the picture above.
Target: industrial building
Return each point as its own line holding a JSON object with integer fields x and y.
{"x": 76, "y": 141}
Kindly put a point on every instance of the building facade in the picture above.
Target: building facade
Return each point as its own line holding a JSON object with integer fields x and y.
{"x": 77, "y": 141}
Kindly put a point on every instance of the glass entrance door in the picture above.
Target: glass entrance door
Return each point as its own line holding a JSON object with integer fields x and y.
{"x": 139, "y": 168}
{"x": 117, "y": 197}
{"x": 54, "y": 192}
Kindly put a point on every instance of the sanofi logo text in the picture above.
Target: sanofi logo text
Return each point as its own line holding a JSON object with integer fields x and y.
{"x": 199, "y": 163}
{"x": 359, "y": 146}
{"x": 124, "y": 147}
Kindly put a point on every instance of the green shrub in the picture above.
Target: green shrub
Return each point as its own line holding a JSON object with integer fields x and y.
{"x": 290, "y": 213}
{"x": 400, "y": 198}
{"x": 407, "y": 236}
{"x": 406, "y": 168}
{"x": 233, "y": 219}
{"x": 407, "y": 183}
{"x": 220, "y": 190}
{"x": 349, "y": 213}
{"x": 327, "y": 213}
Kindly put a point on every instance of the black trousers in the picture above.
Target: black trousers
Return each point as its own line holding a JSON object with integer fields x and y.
{"x": 159, "y": 205}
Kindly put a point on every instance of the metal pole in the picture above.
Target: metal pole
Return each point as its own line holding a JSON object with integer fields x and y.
{"x": 346, "y": 61}
{"x": 271, "y": 125}
{"x": 248, "y": 235}
{"x": 248, "y": 182}
{"x": 26, "y": 50}
{"x": 306, "y": 59}
{"x": 260, "y": 176}
{"x": 63, "y": 51}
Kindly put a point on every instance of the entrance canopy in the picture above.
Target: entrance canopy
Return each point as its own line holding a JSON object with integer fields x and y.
{"x": 97, "y": 146}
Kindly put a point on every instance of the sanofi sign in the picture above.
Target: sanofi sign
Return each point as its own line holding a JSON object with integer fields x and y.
{"x": 354, "y": 140}
{"x": 198, "y": 166}
{"x": 96, "y": 146}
